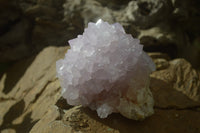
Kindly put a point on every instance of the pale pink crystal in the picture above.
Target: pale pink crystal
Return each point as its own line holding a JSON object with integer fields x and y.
{"x": 108, "y": 71}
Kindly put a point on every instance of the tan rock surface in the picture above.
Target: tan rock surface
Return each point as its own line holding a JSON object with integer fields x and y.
{"x": 182, "y": 77}
{"x": 30, "y": 101}
{"x": 163, "y": 121}
{"x": 28, "y": 89}
{"x": 50, "y": 123}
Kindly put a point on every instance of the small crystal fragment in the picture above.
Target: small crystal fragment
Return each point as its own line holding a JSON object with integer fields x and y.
{"x": 108, "y": 71}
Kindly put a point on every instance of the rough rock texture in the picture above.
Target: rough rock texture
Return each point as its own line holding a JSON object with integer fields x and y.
{"x": 182, "y": 76}
{"x": 169, "y": 120}
{"x": 27, "y": 26}
{"x": 108, "y": 71}
{"x": 38, "y": 107}
{"x": 27, "y": 94}
{"x": 170, "y": 26}
{"x": 175, "y": 84}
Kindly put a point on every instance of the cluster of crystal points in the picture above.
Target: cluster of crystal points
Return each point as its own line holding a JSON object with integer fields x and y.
{"x": 108, "y": 71}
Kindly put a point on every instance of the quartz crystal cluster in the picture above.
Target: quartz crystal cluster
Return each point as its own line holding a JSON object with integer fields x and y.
{"x": 108, "y": 71}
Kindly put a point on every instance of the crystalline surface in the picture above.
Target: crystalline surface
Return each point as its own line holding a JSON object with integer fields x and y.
{"x": 108, "y": 71}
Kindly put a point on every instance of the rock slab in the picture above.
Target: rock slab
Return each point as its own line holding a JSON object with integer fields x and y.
{"x": 34, "y": 104}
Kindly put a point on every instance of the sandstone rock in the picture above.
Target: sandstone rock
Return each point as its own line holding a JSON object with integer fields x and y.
{"x": 30, "y": 89}
{"x": 26, "y": 96}
{"x": 164, "y": 83}
{"x": 169, "y": 120}
{"x": 182, "y": 77}
{"x": 156, "y": 55}
{"x": 161, "y": 25}
{"x": 160, "y": 60}
{"x": 58, "y": 126}
{"x": 87, "y": 10}
{"x": 29, "y": 102}
{"x": 50, "y": 123}
{"x": 146, "y": 13}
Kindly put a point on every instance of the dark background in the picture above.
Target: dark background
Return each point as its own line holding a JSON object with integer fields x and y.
{"x": 168, "y": 26}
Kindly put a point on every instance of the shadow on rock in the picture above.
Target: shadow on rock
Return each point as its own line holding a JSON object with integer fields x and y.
{"x": 117, "y": 121}
{"x": 14, "y": 74}
{"x": 14, "y": 112}
{"x": 162, "y": 121}
{"x": 62, "y": 104}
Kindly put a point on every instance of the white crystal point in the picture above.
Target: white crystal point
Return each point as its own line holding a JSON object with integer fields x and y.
{"x": 108, "y": 71}
{"x": 99, "y": 22}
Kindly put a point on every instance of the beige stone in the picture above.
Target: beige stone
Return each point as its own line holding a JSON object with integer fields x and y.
{"x": 182, "y": 77}
{"x": 28, "y": 89}
{"x": 33, "y": 102}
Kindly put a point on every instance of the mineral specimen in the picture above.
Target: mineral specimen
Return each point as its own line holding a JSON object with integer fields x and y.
{"x": 108, "y": 71}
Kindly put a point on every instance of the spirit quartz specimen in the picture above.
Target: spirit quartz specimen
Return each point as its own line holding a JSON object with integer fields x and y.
{"x": 108, "y": 71}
